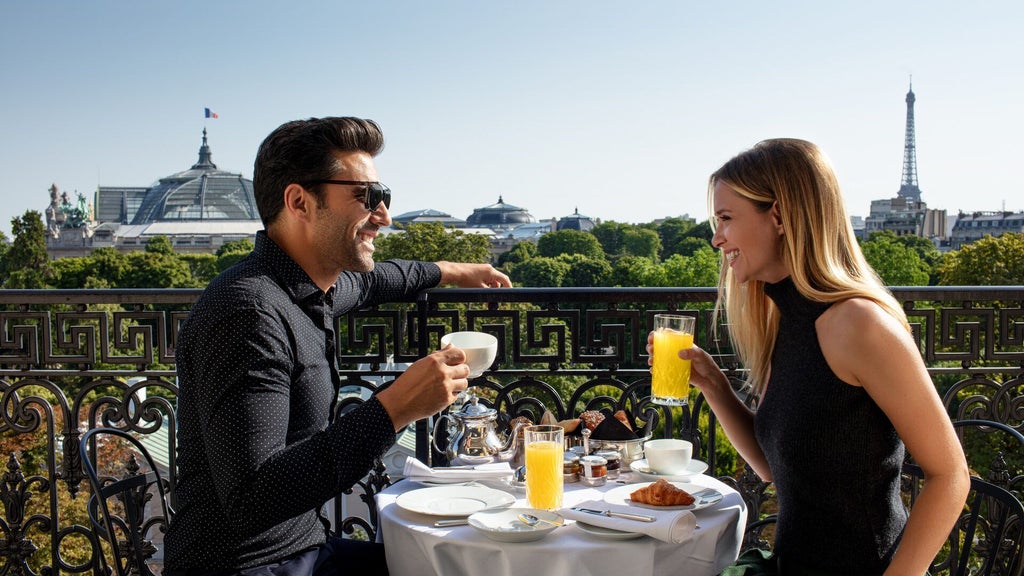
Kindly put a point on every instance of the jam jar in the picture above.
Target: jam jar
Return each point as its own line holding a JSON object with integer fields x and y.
{"x": 593, "y": 470}
{"x": 571, "y": 467}
{"x": 614, "y": 462}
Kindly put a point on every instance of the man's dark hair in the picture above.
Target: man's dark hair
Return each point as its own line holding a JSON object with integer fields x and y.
{"x": 303, "y": 151}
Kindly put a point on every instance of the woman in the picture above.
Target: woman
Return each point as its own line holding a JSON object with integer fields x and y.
{"x": 840, "y": 383}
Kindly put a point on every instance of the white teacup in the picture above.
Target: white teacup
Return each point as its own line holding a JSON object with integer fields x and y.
{"x": 480, "y": 349}
{"x": 668, "y": 455}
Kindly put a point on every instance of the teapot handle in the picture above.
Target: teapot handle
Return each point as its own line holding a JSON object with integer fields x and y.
{"x": 433, "y": 436}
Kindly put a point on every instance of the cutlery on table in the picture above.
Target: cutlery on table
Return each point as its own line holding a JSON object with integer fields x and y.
{"x": 531, "y": 520}
{"x": 613, "y": 514}
{"x": 451, "y": 522}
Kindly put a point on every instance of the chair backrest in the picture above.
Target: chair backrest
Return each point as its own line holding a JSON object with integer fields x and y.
{"x": 988, "y": 538}
{"x": 123, "y": 509}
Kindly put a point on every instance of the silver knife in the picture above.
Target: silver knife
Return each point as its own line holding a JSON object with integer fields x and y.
{"x": 452, "y": 522}
{"x": 614, "y": 514}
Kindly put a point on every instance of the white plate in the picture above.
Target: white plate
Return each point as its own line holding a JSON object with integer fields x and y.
{"x": 644, "y": 470}
{"x": 620, "y": 495}
{"x": 609, "y": 533}
{"x": 504, "y": 525}
{"x": 453, "y": 500}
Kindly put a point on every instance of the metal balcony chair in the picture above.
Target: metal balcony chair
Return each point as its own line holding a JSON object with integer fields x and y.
{"x": 988, "y": 538}
{"x": 123, "y": 510}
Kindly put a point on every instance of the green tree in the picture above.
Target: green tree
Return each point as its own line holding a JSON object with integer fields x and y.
{"x": 553, "y": 244}
{"x": 430, "y": 241}
{"x": 520, "y": 252}
{"x": 924, "y": 247}
{"x": 584, "y": 271}
{"x": 690, "y": 245}
{"x": 894, "y": 262}
{"x": 156, "y": 270}
{"x": 540, "y": 272}
{"x": 103, "y": 268}
{"x": 699, "y": 269}
{"x": 159, "y": 245}
{"x": 673, "y": 232}
{"x": 5, "y": 245}
{"x": 609, "y": 235}
{"x": 638, "y": 241}
{"x": 703, "y": 231}
{"x": 26, "y": 263}
{"x": 202, "y": 266}
{"x": 986, "y": 262}
{"x": 243, "y": 245}
{"x": 633, "y": 271}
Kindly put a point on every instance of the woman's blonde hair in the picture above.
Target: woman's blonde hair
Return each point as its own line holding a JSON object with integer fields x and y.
{"x": 819, "y": 246}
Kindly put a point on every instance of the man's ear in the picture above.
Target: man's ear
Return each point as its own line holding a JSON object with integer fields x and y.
{"x": 298, "y": 201}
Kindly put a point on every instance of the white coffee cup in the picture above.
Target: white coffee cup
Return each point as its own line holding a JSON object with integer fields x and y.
{"x": 668, "y": 455}
{"x": 480, "y": 348}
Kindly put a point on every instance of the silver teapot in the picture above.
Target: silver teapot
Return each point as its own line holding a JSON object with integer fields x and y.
{"x": 472, "y": 435}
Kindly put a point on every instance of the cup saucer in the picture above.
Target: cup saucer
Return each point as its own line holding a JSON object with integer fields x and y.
{"x": 644, "y": 470}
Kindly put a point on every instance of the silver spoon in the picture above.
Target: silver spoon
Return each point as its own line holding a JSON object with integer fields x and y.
{"x": 532, "y": 520}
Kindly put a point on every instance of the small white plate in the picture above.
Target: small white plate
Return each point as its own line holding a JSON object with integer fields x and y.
{"x": 608, "y": 533}
{"x": 644, "y": 470}
{"x": 620, "y": 495}
{"x": 453, "y": 500}
{"x": 504, "y": 525}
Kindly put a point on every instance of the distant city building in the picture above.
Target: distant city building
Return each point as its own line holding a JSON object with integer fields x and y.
{"x": 198, "y": 210}
{"x": 907, "y": 213}
{"x": 500, "y": 217}
{"x": 576, "y": 221}
{"x": 428, "y": 215}
{"x": 977, "y": 225}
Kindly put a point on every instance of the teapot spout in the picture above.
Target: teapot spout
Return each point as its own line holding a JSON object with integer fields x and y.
{"x": 512, "y": 451}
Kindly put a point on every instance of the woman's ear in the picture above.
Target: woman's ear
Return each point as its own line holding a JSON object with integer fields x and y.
{"x": 777, "y": 218}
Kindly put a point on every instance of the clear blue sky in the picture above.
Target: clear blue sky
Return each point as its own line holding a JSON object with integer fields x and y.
{"x": 621, "y": 109}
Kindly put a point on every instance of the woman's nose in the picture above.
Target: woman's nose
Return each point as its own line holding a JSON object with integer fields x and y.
{"x": 718, "y": 239}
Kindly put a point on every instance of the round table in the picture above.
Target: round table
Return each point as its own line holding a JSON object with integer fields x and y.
{"x": 414, "y": 547}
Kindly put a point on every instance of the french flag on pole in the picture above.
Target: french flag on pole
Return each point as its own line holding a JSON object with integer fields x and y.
{"x": 211, "y": 113}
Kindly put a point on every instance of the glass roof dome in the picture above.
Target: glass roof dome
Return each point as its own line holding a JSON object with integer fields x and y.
{"x": 200, "y": 193}
{"x": 499, "y": 216}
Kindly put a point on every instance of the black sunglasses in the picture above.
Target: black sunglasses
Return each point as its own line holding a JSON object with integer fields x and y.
{"x": 373, "y": 192}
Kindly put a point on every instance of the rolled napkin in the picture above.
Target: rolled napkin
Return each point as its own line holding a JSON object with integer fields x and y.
{"x": 675, "y": 526}
{"x": 418, "y": 471}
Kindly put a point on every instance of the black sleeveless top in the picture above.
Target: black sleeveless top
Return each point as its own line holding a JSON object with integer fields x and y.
{"x": 834, "y": 455}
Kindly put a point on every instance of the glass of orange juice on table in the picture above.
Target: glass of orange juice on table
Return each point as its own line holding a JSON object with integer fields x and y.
{"x": 544, "y": 455}
{"x": 670, "y": 383}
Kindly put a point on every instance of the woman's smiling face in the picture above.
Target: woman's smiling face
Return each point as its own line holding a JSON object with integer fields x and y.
{"x": 749, "y": 237}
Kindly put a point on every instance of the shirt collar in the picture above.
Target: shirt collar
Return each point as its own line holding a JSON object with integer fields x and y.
{"x": 289, "y": 274}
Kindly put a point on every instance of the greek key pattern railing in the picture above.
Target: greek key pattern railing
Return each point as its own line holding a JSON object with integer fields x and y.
{"x": 71, "y": 360}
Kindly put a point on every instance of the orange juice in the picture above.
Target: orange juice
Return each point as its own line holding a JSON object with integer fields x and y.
{"x": 671, "y": 374}
{"x": 544, "y": 474}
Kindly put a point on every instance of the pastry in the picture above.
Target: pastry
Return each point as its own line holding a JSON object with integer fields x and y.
{"x": 522, "y": 422}
{"x": 591, "y": 418}
{"x": 662, "y": 493}
{"x": 569, "y": 426}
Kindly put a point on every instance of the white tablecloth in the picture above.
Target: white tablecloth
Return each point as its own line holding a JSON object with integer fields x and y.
{"x": 414, "y": 547}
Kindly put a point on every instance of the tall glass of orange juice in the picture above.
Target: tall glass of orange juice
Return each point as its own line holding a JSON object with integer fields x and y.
{"x": 670, "y": 383}
{"x": 544, "y": 455}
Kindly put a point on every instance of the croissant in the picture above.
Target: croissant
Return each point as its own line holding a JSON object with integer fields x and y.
{"x": 662, "y": 493}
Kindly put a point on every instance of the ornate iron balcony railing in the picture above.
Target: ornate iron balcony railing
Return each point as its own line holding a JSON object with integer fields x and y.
{"x": 71, "y": 360}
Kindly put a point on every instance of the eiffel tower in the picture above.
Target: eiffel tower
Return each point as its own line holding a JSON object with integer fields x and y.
{"x": 908, "y": 186}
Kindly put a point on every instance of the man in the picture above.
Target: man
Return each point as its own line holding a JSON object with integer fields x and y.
{"x": 259, "y": 450}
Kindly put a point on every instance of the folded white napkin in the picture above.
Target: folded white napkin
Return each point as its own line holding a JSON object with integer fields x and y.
{"x": 416, "y": 470}
{"x": 673, "y": 526}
